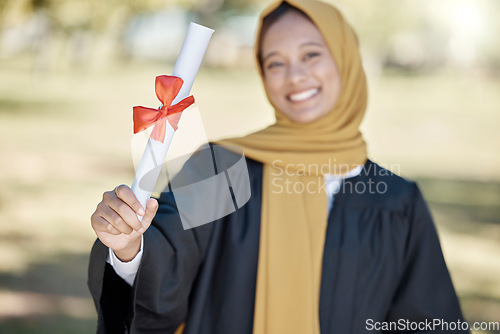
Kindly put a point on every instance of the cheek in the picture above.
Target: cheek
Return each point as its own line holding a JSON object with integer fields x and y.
{"x": 331, "y": 80}
{"x": 335, "y": 86}
{"x": 273, "y": 85}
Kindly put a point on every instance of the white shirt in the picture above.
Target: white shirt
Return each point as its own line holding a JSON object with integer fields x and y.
{"x": 128, "y": 270}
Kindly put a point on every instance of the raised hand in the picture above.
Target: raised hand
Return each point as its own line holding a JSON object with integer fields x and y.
{"x": 116, "y": 221}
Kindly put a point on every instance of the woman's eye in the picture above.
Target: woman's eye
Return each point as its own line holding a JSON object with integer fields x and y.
{"x": 311, "y": 55}
{"x": 274, "y": 64}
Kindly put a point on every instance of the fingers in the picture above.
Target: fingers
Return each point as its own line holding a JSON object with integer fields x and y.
{"x": 99, "y": 224}
{"x": 119, "y": 216}
{"x": 118, "y": 213}
{"x": 126, "y": 194}
{"x": 151, "y": 208}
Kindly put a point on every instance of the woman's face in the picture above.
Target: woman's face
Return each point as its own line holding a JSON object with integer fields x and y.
{"x": 300, "y": 74}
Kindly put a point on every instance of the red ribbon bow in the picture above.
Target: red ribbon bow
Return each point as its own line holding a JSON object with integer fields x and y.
{"x": 167, "y": 87}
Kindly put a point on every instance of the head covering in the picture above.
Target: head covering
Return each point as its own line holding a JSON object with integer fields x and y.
{"x": 294, "y": 203}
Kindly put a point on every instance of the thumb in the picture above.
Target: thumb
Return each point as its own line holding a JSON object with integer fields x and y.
{"x": 151, "y": 208}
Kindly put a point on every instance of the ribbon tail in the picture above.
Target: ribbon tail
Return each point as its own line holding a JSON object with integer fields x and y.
{"x": 183, "y": 104}
{"x": 158, "y": 132}
{"x": 175, "y": 111}
{"x": 173, "y": 119}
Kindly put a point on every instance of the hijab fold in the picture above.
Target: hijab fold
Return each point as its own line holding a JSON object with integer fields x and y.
{"x": 295, "y": 157}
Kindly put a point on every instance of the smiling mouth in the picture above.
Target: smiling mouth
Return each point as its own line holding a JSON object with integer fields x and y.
{"x": 302, "y": 96}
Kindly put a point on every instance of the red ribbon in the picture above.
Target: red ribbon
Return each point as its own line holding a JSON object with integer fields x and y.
{"x": 167, "y": 87}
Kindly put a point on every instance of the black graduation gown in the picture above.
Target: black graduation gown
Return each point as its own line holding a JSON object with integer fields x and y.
{"x": 382, "y": 262}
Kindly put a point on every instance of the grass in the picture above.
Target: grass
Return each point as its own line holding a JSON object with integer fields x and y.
{"x": 65, "y": 137}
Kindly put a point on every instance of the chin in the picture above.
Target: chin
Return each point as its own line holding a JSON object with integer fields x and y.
{"x": 306, "y": 117}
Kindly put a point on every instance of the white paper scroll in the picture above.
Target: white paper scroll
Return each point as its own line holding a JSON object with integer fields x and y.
{"x": 186, "y": 68}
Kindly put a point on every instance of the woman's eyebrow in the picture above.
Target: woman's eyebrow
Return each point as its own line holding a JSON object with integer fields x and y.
{"x": 312, "y": 43}
{"x": 269, "y": 55}
{"x": 300, "y": 46}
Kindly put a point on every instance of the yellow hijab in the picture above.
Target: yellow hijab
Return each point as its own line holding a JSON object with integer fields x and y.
{"x": 293, "y": 223}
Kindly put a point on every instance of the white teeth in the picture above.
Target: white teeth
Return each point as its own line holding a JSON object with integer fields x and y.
{"x": 303, "y": 95}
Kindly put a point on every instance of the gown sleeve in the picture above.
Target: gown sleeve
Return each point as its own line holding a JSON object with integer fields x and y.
{"x": 425, "y": 293}
{"x": 158, "y": 301}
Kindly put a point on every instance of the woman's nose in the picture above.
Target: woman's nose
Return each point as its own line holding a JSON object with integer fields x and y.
{"x": 297, "y": 72}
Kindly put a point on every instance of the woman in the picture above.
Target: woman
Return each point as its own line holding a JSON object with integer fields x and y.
{"x": 349, "y": 249}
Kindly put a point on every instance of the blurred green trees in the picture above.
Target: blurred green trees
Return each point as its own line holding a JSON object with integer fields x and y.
{"x": 406, "y": 34}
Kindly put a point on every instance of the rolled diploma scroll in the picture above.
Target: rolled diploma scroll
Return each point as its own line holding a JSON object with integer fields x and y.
{"x": 187, "y": 65}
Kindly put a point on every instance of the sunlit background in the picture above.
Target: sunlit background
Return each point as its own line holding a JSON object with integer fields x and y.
{"x": 71, "y": 70}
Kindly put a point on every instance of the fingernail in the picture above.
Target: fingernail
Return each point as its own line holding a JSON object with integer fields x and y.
{"x": 141, "y": 212}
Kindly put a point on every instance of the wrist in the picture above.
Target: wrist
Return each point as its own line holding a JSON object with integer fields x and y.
{"x": 130, "y": 252}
